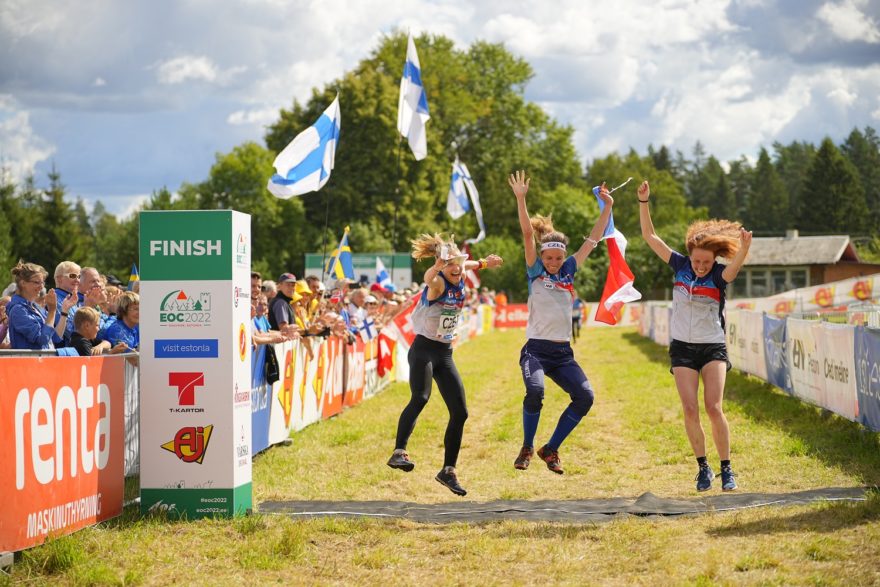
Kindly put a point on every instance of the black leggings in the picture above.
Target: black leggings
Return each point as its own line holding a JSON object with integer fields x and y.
{"x": 432, "y": 359}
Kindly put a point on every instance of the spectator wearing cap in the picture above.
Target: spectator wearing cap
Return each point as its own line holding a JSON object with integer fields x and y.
{"x": 67, "y": 283}
{"x": 280, "y": 311}
{"x": 380, "y": 291}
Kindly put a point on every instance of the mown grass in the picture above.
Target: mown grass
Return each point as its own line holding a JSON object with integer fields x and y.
{"x": 632, "y": 442}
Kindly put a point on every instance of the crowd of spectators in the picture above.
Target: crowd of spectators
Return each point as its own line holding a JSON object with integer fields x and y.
{"x": 85, "y": 310}
{"x": 34, "y": 317}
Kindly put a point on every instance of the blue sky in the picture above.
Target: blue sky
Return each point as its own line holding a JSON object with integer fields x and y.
{"x": 125, "y": 97}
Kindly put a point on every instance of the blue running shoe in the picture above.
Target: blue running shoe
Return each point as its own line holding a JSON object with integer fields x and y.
{"x": 704, "y": 478}
{"x": 728, "y": 479}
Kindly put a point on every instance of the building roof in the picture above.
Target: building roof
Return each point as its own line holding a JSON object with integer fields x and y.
{"x": 793, "y": 249}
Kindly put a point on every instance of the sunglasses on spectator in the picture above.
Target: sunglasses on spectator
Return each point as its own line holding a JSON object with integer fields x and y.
{"x": 73, "y": 275}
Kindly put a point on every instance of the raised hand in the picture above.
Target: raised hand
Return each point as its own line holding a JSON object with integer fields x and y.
{"x": 644, "y": 191}
{"x": 51, "y": 300}
{"x": 745, "y": 237}
{"x": 519, "y": 183}
{"x": 494, "y": 261}
{"x": 605, "y": 195}
{"x": 70, "y": 301}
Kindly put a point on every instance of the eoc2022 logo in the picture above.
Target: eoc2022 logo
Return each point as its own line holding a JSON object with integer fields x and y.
{"x": 190, "y": 443}
{"x": 179, "y": 309}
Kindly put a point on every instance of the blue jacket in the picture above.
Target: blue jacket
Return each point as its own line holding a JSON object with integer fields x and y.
{"x": 61, "y": 295}
{"x": 119, "y": 331}
{"x": 27, "y": 325}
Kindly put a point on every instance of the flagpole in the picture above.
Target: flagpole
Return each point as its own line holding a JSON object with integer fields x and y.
{"x": 324, "y": 239}
{"x": 396, "y": 204}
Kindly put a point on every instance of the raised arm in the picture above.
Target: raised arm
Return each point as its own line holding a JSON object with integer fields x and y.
{"x": 433, "y": 279}
{"x": 487, "y": 263}
{"x": 655, "y": 242}
{"x": 732, "y": 270}
{"x": 592, "y": 241}
{"x": 519, "y": 183}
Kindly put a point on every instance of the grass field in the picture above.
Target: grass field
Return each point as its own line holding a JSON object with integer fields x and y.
{"x": 632, "y": 442}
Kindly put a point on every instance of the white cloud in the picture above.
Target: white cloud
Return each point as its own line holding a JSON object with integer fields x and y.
{"x": 99, "y": 82}
{"x": 20, "y": 147}
{"x": 191, "y": 67}
{"x": 262, "y": 116}
{"x": 848, "y": 22}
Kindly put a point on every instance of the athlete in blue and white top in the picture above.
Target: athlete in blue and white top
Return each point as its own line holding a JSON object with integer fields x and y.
{"x": 435, "y": 320}
{"x": 548, "y": 349}
{"x": 697, "y": 327}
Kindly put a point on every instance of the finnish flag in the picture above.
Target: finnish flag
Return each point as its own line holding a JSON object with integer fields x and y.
{"x": 412, "y": 107}
{"x": 382, "y": 277}
{"x": 457, "y": 201}
{"x": 305, "y": 164}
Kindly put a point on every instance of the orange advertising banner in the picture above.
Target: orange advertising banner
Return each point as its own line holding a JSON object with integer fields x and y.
{"x": 61, "y": 446}
{"x": 512, "y": 316}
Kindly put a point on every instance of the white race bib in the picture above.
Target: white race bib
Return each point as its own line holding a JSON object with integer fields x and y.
{"x": 447, "y": 323}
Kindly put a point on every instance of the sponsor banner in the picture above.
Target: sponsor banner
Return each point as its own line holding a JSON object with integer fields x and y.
{"x": 306, "y": 401}
{"x": 196, "y": 369}
{"x": 283, "y": 392}
{"x": 197, "y": 501}
{"x": 178, "y": 245}
{"x": 752, "y": 331}
{"x": 867, "y": 360}
{"x": 736, "y": 342}
{"x": 61, "y": 445}
{"x": 804, "y": 360}
{"x": 512, "y": 316}
{"x": 261, "y": 401}
{"x": 775, "y": 356}
{"x": 385, "y": 354}
{"x": 837, "y": 346}
{"x": 354, "y": 369}
{"x": 487, "y": 315}
{"x": 660, "y": 323}
{"x": 329, "y": 385}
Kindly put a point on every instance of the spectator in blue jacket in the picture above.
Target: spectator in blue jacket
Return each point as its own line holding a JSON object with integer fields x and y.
{"x": 67, "y": 283}
{"x": 30, "y": 325}
{"x": 127, "y": 327}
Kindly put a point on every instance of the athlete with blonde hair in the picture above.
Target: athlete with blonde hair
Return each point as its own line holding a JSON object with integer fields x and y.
{"x": 435, "y": 320}
{"x": 698, "y": 346}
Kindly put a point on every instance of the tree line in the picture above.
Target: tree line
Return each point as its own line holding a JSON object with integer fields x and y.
{"x": 478, "y": 112}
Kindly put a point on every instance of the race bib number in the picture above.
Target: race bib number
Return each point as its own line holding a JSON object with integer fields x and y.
{"x": 448, "y": 321}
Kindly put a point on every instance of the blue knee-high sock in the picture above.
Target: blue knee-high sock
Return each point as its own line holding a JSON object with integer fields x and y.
{"x": 530, "y": 427}
{"x": 567, "y": 421}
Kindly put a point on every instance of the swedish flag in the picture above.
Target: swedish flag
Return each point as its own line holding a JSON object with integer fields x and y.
{"x": 133, "y": 277}
{"x": 340, "y": 264}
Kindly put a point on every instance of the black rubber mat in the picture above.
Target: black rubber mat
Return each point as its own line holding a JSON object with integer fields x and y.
{"x": 586, "y": 510}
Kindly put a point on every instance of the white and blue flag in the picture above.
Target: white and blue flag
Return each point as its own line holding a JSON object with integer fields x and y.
{"x": 412, "y": 107}
{"x": 382, "y": 276}
{"x": 368, "y": 331}
{"x": 304, "y": 165}
{"x": 461, "y": 188}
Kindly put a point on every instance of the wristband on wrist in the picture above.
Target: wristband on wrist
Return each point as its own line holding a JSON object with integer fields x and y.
{"x": 643, "y": 201}
{"x": 591, "y": 241}
{"x": 63, "y": 313}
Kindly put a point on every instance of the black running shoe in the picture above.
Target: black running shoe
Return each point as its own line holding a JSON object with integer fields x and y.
{"x": 728, "y": 479}
{"x": 525, "y": 457}
{"x": 450, "y": 481}
{"x": 704, "y": 478}
{"x": 551, "y": 457}
{"x": 401, "y": 461}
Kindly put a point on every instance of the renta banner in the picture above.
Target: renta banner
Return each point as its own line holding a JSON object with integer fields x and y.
{"x": 61, "y": 446}
{"x": 195, "y": 375}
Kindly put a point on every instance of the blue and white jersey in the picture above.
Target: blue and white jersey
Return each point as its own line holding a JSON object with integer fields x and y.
{"x": 550, "y": 299}
{"x": 438, "y": 319}
{"x": 697, "y": 302}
